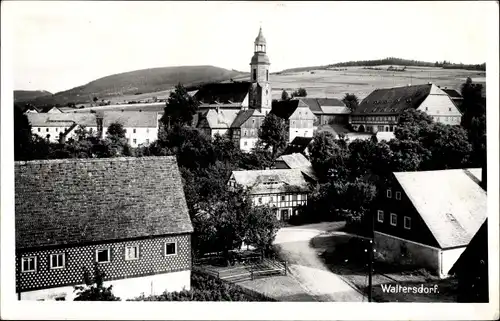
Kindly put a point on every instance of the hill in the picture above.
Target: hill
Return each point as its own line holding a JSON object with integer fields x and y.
{"x": 138, "y": 82}
{"x": 24, "y": 95}
{"x": 391, "y": 61}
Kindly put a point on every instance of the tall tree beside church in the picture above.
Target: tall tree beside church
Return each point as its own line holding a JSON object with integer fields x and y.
{"x": 351, "y": 101}
{"x": 180, "y": 108}
{"x": 273, "y": 134}
{"x": 284, "y": 95}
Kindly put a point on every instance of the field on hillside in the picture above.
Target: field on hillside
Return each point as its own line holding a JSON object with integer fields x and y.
{"x": 335, "y": 82}
{"x": 361, "y": 82}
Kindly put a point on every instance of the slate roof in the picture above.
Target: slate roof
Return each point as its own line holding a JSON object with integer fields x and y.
{"x": 61, "y": 119}
{"x": 272, "y": 181}
{"x": 75, "y": 201}
{"x": 284, "y": 109}
{"x": 298, "y": 161}
{"x": 130, "y": 118}
{"x": 390, "y": 101}
{"x": 298, "y": 145}
{"x": 232, "y": 92}
{"x": 325, "y": 105}
{"x": 242, "y": 117}
{"x": 452, "y": 205}
{"x": 453, "y": 93}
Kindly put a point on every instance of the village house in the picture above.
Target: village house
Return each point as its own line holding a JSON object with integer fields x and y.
{"x": 380, "y": 110}
{"x": 427, "y": 219}
{"x": 328, "y": 111}
{"x": 298, "y": 117}
{"x": 296, "y": 161}
{"x": 283, "y": 189}
{"x": 141, "y": 128}
{"x": 56, "y": 126}
{"x": 125, "y": 216}
{"x": 237, "y": 109}
{"x": 455, "y": 96}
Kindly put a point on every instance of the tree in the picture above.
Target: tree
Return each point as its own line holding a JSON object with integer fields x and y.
{"x": 116, "y": 142}
{"x": 180, "y": 108}
{"x": 284, "y": 95}
{"x": 273, "y": 134}
{"x": 301, "y": 92}
{"x": 94, "y": 289}
{"x": 262, "y": 226}
{"x": 355, "y": 199}
{"x": 328, "y": 158}
{"x": 95, "y": 99}
{"x": 351, "y": 101}
{"x": 23, "y": 140}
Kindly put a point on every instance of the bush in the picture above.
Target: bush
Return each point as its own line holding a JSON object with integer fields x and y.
{"x": 207, "y": 288}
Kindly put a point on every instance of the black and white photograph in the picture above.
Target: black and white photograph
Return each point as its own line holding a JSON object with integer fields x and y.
{"x": 302, "y": 156}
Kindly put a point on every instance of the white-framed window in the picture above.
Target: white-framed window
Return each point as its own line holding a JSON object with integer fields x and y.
{"x": 398, "y": 195}
{"x": 57, "y": 261}
{"x": 39, "y": 129}
{"x": 46, "y": 129}
{"x": 170, "y": 248}
{"x": 147, "y": 140}
{"x": 260, "y": 200}
{"x": 103, "y": 255}
{"x": 131, "y": 252}
{"x": 283, "y": 197}
{"x": 389, "y": 193}
{"x": 135, "y": 141}
{"x": 57, "y": 129}
{"x": 28, "y": 264}
{"x": 245, "y": 143}
{"x": 394, "y": 219}
{"x": 407, "y": 222}
{"x": 380, "y": 216}
{"x": 133, "y": 130}
{"x": 147, "y": 130}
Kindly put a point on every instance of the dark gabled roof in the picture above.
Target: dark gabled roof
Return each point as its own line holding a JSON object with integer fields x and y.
{"x": 316, "y": 104}
{"x": 232, "y": 92}
{"x": 242, "y": 117}
{"x": 285, "y": 108}
{"x": 74, "y": 201}
{"x": 393, "y": 100}
{"x": 453, "y": 93}
{"x": 297, "y": 145}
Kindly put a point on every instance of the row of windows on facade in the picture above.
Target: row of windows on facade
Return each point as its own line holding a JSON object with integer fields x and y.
{"x": 284, "y": 198}
{"x": 394, "y": 219}
{"x": 437, "y": 111}
{"x": 102, "y": 255}
{"x": 374, "y": 118}
{"x": 39, "y": 129}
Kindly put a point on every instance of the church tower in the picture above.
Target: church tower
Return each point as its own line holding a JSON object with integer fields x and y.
{"x": 260, "y": 93}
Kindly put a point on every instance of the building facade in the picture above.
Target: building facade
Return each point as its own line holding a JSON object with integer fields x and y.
{"x": 141, "y": 128}
{"x": 126, "y": 217}
{"x": 282, "y": 189}
{"x": 380, "y": 111}
{"x": 298, "y": 117}
{"x": 55, "y": 126}
{"x": 426, "y": 219}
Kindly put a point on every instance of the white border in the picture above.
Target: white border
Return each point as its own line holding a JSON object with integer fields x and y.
{"x": 13, "y": 309}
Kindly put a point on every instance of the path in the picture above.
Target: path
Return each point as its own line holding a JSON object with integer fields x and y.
{"x": 293, "y": 244}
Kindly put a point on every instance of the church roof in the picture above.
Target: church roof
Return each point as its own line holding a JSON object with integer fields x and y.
{"x": 224, "y": 93}
{"x": 260, "y": 38}
{"x": 260, "y": 58}
{"x": 284, "y": 109}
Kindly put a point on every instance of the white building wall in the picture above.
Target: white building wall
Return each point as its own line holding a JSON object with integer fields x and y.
{"x": 220, "y": 131}
{"x": 300, "y": 132}
{"x": 142, "y": 135}
{"x": 52, "y": 131}
{"x": 448, "y": 259}
{"x": 246, "y": 144}
{"x": 125, "y": 288}
{"x": 441, "y": 108}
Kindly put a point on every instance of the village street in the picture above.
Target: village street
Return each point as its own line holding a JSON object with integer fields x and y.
{"x": 293, "y": 245}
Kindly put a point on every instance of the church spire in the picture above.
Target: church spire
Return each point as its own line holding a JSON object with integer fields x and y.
{"x": 260, "y": 42}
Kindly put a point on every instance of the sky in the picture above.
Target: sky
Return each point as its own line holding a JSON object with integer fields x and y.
{"x": 60, "y": 45}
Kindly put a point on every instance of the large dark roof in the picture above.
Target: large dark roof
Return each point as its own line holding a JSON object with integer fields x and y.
{"x": 452, "y": 93}
{"x": 242, "y": 117}
{"x": 223, "y": 92}
{"x": 297, "y": 145}
{"x": 74, "y": 201}
{"x": 315, "y": 104}
{"x": 393, "y": 100}
{"x": 285, "y": 108}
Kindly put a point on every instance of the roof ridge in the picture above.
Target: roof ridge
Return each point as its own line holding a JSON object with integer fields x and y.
{"x": 92, "y": 160}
